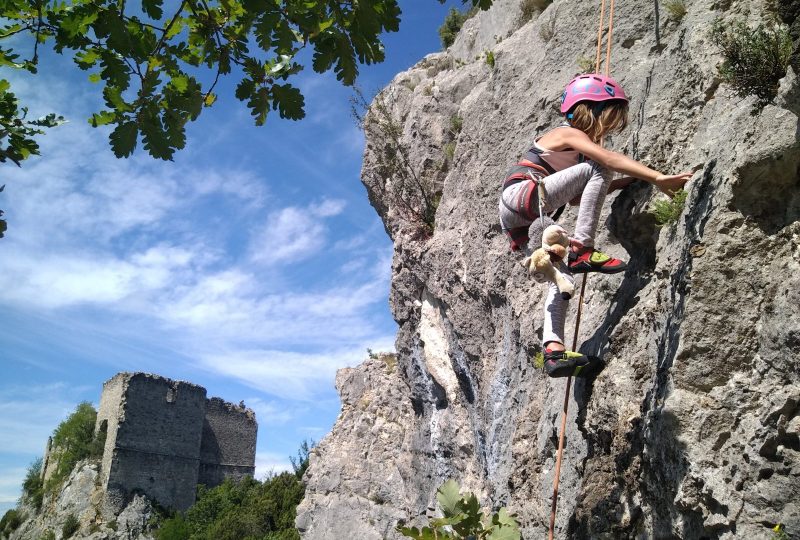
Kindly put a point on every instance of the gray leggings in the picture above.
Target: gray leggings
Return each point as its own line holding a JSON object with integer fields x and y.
{"x": 591, "y": 182}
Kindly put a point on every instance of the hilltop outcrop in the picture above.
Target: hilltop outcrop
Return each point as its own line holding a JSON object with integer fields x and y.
{"x": 693, "y": 429}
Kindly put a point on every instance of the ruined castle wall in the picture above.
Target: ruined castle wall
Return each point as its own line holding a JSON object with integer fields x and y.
{"x": 228, "y": 446}
{"x": 109, "y": 414}
{"x": 156, "y": 446}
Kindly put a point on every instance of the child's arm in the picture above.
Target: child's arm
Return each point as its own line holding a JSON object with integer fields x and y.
{"x": 620, "y": 183}
{"x": 669, "y": 184}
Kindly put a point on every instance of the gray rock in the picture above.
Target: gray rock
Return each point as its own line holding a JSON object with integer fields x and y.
{"x": 692, "y": 429}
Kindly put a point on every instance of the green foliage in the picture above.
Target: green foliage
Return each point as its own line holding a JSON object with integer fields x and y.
{"x": 17, "y": 134}
{"x": 74, "y": 440}
{"x": 667, "y": 211}
{"x": 779, "y": 532}
{"x": 70, "y": 527}
{"x": 489, "y": 55}
{"x": 235, "y": 511}
{"x": 33, "y": 486}
{"x": 174, "y": 528}
{"x": 675, "y": 8}
{"x": 755, "y": 59}
{"x": 414, "y": 195}
{"x": 48, "y": 535}
{"x": 10, "y": 522}
{"x": 452, "y": 24}
{"x": 300, "y": 463}
{"x": 462, "y": 519}
{"x": 150, "y": 63}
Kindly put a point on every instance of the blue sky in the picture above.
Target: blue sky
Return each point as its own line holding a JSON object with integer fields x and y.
{"x": 252, "y": 264}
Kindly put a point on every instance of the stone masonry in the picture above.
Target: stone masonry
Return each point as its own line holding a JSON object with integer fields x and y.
{"x": 163, "y": 437}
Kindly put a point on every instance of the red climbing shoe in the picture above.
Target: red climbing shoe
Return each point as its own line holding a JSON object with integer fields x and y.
{"x": 591, "y": 260}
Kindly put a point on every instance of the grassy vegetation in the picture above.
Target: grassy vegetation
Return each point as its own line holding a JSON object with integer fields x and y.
{"x": 667, "y": 211}
{"x": 70, "y": 527}
{"x": 676, "y": 9}
{"x": 489, "y": 55}
{"x": 755, "y": 59}
{"x": 586, "y": 64}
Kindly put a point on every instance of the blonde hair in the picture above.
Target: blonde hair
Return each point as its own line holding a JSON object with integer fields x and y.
{"x": 612, "y": 118}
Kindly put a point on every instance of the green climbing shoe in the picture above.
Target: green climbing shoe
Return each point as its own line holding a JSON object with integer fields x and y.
{"x": 568, "y": 363}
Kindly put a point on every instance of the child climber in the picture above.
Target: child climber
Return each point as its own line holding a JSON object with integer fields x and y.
{"x": 572, "y": 165}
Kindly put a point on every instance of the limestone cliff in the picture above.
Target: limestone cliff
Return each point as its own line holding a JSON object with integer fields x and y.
{"x": 692, "y": 429}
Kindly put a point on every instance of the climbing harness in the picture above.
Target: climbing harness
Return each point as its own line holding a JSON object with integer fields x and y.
{"x": 583, "y": 282}
{"x": 532, "y": 168}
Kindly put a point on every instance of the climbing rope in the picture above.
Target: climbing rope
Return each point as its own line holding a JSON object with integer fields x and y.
{"x": 583, "y": 282}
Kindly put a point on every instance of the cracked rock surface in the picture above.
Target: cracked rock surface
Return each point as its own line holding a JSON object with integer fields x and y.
{"x": 693, "y": 429}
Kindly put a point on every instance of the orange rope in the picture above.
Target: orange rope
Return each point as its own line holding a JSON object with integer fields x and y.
{"x": 600, "y": 36}
{"x": 610, "y": 35}
{"x": 564, "y": 416}
{"x": 561, "y": 436}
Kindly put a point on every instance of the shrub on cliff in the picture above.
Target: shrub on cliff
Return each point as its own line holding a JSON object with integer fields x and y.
{"x": 33, "y": 486}
{"x": 71, "y": 526}
{"x": 74, "y": 440}
{"x": 452, "y": 25}
{"x": 10, "y": 522}
{"x": 755, "y": 59}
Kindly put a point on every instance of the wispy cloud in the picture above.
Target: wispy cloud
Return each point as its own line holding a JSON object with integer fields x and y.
{"x": 28, "y": 415}
{"x": 294, "y": 233}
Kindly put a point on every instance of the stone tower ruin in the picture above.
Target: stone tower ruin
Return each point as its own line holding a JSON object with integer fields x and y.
{"x": 163, "y": 437}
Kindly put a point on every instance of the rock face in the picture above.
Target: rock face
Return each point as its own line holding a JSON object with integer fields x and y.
{"x": 693, "y": 429}
{"x": 81, "y": 497}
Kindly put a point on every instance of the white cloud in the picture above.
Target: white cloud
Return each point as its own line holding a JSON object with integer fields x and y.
{"x": 291, "y": 234}
{"x": 271, "y": 463}
{"x": 274, "y": 412}
{"x": 294, "y": 233}
{"x": 288, "y": 375}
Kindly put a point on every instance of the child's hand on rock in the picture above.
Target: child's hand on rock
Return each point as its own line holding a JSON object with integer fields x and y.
{"x": 669, "y": 184}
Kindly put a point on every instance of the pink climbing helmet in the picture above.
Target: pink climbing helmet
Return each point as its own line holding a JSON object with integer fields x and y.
{"x": 591, "y": 87}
